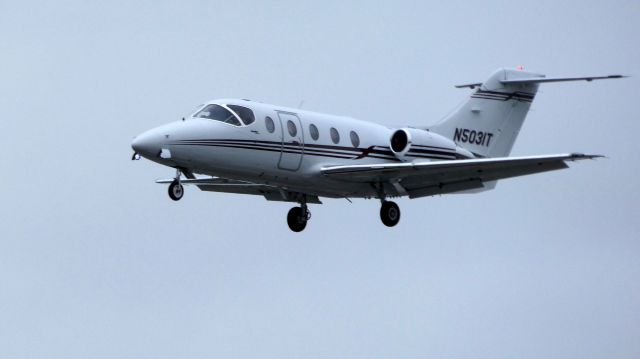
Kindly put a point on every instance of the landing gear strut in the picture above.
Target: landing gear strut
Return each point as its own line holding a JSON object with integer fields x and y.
{"x": 389, "y": 213}
{"x": 176, "y": 191}
{"x": 297, "y": 217}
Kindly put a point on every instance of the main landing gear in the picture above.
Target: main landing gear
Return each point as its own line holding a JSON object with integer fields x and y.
{"x": 389, "y": 213}
{"x": 176, "y": 191}
{"x": 297, "y": 217}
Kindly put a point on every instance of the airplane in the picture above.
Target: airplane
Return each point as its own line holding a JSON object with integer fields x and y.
{"x": 287, "y": 154}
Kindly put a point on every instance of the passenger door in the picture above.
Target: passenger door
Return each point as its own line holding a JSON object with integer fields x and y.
{"x": 292, "y": 141}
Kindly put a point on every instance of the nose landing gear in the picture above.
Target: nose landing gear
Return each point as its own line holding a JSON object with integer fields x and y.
{"x": 297, "y": 217}
{"x": 176, "y": 191}
{"x": 389, "y": 213}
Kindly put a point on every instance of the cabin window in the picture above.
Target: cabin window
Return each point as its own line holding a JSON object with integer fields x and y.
{"x": 335, "y": 136}
{"x": 313, "y": 131}
{"x": 268, "y": 122}
{"x": 355, "y": 139}
{"x": 218, "y": 113}
{"x": 245, "y": 114}
{"x": 291, "y": 127}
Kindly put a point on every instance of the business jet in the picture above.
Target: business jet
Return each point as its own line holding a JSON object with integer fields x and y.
{"x": 286, "y": 154}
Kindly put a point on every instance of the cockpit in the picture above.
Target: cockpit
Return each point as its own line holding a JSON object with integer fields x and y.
{"x": 231, "y": 114}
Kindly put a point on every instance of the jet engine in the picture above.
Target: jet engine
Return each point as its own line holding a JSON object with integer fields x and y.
{"x": 412, "y": 143}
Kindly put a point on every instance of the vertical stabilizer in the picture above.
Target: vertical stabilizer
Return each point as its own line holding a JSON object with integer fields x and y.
{"x": 489, "y": 122}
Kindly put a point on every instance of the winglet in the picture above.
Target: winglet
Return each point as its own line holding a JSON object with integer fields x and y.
{"x": 582, "y": 156}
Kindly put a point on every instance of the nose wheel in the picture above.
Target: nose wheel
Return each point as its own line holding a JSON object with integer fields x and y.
{"x": 176, "y": 191}
{"x": 298, "y": 217}
{"x": 389, "y": 213}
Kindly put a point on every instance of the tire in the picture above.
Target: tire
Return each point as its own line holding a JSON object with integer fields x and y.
{"x": 389, "y": 213}
{"x": 295, "y": 219}
{"x": 176, "y": 191}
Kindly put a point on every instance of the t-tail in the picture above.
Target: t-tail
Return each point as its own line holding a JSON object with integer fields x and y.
{"x": 488, "y": 123}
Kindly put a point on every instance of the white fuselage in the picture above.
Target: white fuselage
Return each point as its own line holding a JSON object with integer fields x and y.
{"x": 287, "y": 154}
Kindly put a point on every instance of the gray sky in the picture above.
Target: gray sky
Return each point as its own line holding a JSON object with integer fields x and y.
{"x": 97, "y": 261}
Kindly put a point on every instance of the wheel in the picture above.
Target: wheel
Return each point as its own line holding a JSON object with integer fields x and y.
{"x": 176, "y": 191}
{"x": 296, "y": 219}
{"x": 389, "y": 213}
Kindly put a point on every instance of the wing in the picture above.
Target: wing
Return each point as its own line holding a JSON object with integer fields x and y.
{"x": 218, "y": 184}
{"x": 419, "y": 179}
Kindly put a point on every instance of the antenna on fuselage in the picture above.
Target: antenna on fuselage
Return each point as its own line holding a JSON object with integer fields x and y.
{"x": 300, "y": 105}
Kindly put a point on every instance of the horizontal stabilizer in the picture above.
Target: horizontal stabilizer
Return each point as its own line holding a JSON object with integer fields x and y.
{"x": 471, "y": 86}
{"x": 539, "y": 80}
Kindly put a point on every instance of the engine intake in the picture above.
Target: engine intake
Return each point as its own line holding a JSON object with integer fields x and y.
{"x": 400, "y": 141}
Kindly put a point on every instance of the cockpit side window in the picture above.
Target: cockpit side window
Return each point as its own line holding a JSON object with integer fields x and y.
{"x": 218, "y": 113}
{"x": 244, "y": 113}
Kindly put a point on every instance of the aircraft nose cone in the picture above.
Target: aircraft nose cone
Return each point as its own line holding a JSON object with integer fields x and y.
{"x": 146, "y": 144}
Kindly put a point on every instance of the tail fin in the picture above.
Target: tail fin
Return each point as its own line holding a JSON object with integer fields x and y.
{"x": 489, "y": 122}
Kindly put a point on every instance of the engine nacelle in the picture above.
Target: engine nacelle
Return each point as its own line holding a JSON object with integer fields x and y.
{"x": 409, "y": 144}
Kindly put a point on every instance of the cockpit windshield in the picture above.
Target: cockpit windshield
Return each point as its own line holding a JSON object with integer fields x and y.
{"x": 245, "y": 114}
{"x": 218, "y": 113}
